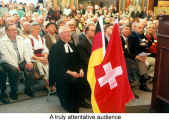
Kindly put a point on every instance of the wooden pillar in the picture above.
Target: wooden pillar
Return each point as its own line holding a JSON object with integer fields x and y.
{"x": 77, "y": 4}
{"x": 64, "y": 3}
{"x": 72, "y": 3}
{"x": 55, "y": 3}
{"x": 143, "y": 2}
{"x": 118, "y": 4}
{"x": 133, "y": 2}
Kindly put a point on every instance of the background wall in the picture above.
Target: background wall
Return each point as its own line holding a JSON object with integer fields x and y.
{"x": 106, "y": 2}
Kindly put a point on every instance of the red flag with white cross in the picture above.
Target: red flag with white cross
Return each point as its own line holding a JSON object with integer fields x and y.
{"x": 112, "y": 90}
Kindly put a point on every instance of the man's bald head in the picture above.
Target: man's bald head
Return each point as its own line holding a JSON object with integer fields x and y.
{"x": 139, "y": 28}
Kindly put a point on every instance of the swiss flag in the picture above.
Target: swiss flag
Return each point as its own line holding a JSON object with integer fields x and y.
{"x": 112, "y": 90}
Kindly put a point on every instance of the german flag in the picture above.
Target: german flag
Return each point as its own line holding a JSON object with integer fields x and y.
{"x": 96, "y": 58}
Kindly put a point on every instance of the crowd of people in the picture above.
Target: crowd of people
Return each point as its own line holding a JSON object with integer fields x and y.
{"x": 54, "y": 45}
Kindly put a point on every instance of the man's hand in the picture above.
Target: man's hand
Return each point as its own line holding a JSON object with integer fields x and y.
{"x": 81, "y": 73}
{"x": 29, "y": 66}
{"x": 75, "y": 75}
{"x": 44, "y": 60}
{"x": 143, "y": 44}
{"x": 141, "y": 58}
{"x": 18, "y": 69}
{"x": 45, "y": 55}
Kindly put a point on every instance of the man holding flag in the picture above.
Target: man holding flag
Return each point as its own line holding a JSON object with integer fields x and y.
{"x": 107, "y": 74}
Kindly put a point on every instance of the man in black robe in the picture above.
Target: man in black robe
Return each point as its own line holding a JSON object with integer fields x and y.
{"x": 65, "y": 71}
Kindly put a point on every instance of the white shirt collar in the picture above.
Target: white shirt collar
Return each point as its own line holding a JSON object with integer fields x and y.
{"x": 125, "y": 38}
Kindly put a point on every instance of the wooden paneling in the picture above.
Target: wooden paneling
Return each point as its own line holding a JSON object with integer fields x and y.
{"x": 160, "y": 97}
{"x": 163, "y": 3}
{"x": 64, "y": 3}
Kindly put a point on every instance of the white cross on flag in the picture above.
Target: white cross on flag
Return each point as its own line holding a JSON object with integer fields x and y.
{"x": 110, "y": 75}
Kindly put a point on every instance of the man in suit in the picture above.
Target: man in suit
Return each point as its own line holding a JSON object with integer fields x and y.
{"x": 137, "y": 46}
{"x": 124, "y": 37}
{"x": 85, "y": 42}
{"x": 130, "y": 63}
{"x": 135, "y": 14}
{"x": 15, "y": 60}
{"x": 65, "y": 71}
{"x": 108, "y": 32}
{"x": 85, "y": 47}
{"x": 81, "y": 9}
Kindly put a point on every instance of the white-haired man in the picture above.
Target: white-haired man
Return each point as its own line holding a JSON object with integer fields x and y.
{"x": 75, "y": 35}
{"x": 65, "y": 71}
{"x": 14, "y": 60}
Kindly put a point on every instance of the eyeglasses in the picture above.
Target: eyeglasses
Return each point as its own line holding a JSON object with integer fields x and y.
{"x": 92, "y": 30}
{"x": 15, "y": 30}
{"x": 36, "y": 29}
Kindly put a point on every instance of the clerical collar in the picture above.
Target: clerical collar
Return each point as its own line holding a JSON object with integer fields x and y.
{"x": 68, "y": 49}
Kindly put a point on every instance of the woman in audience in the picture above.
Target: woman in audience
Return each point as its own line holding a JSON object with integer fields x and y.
{"x": 39, "y": 52}
{"x": 152, "y": 39}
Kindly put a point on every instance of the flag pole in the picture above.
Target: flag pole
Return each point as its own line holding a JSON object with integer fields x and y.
{"x": 102, "y": 31}
{"x": 116, "y": 21}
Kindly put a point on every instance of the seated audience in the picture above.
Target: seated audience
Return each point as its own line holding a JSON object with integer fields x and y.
{"x": 138, "y": 51}
{"x": 15, "y": 62}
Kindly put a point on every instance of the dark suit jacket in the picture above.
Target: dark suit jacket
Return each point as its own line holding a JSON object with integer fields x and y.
{"x": 124, "y": 48}
{"x": 134, "y": 46}
{"x": 82, "y": 11}
{"x": 84, "y": 47}
{"x": 135, "y": 14}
